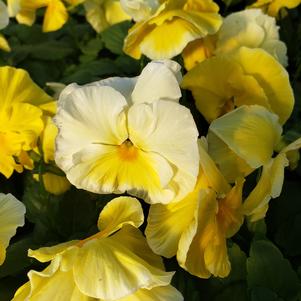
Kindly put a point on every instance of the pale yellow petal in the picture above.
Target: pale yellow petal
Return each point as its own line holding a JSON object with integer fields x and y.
{"x": 81, "y": 122}
{"x": 158, "y": 81}
{"x": 161, "y": 293}
{"x": 251, "y": 132}
{"x": 273, "y": 78}
{"x": 48, "y": 253}
{"x": 166, "y": 224}
{"x": 118, "y": 270}
{"x": 119, "y": 212}
{"x": 230, "y": 165}
{"x": 269, "y": 186}
{"x": 152, "y": 128}
{"x": 12, "y": 214}
{"x": 198, "y": 235}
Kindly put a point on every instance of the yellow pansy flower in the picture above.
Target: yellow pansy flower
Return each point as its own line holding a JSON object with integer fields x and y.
{"x": 12, "y": 214}
{"x": 196, "y": 228}
{"x": 273, "y": 7}
{"x": 176, "y": 23}
{"x": 101, "y": 14}
{"x": 21, "y": 107}
{"x": 244, "y": 77}
{"x": 53, "y": 183}
{"x": 253, "y": 29}
{"x": 244, "y": 140}
{"x": 120, "y": 134}
{"x": 56, "y": 14}
{"x": 114, "y": 264}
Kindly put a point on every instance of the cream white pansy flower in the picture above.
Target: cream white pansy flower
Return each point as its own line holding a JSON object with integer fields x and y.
{"x": 114, "y": 264}
{"x": 254, "y": 29}
{"x": 129, "y": 134}
{"x": 11, "y": 217}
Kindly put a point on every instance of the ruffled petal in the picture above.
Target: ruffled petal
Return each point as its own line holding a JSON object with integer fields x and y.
{"x": 251, "y": 132}
{"x": 119, "y": 212}
{"x": 89, "y": 115}
{"x": 159, "y": 80}
{"x": 12, "y": 214}
{"x": 152, "y": 128}
{"x": 16, "y": 86}
{"x": 161, "y": 293}
{"x": 269, "y": 186}
{"x": 119, "y": 271}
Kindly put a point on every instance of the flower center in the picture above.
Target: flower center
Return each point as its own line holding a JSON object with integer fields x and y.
{"x": 127, "y": 151}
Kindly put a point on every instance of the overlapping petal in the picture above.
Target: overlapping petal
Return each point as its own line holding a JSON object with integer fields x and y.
{"x": 182, "y": 21}
{"x": 245, "y": 77}
{"x": 12, "y": 214}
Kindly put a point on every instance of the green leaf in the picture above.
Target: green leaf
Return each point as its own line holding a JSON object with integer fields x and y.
{"x": 284, "y": 219}
{"x": 263, "y": 294}
{"x": 268, "y": 269}
{"x": 114, "y": 36}
{"x": 233, "y": 287}
{"x": 91, "y": 71}
{"x": 16, "y": 257}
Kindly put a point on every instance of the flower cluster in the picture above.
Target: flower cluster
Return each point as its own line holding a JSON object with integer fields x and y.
{"x": 134, "y": 136}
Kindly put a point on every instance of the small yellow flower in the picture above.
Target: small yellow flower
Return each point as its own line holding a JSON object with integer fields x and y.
{"x": 56, "y": 14}
{"x": 129, "y": 134}
{"x": 114, "y": 264}
{"x": 11, "y": 217}
{"x": 104, "y": 13}
{"x": 273, "y": 7}
{"x": 176, "y": 23}
{"x": 244, "y": 140}
{"x": 196, "y": 228}
{"x": 22, "y": 105}
{"x": 244, "y": 77}
{"x": 253, "y": 29}
{"x": 53, "y": 183}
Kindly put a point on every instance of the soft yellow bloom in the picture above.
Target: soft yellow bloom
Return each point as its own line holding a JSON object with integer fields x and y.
{"x": 196, "y": 228}
{"x": 104, "y": 13}
{"x": 253, "y": 29}
{"x": 176, "y": 23}
{"x": 21, "y": 107}
{"x": 244, "y": 77}
{"x": 273, "y": 7}
{"x": 114, "y": 264}
{"x": 56, "y": 14}
{"x": 199, "y": 50}
{"x": 11, "y": 217}
{"x": 244, "y": 140}
{"x": 120, "y": 134}
{"x": 53, "y": 183}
